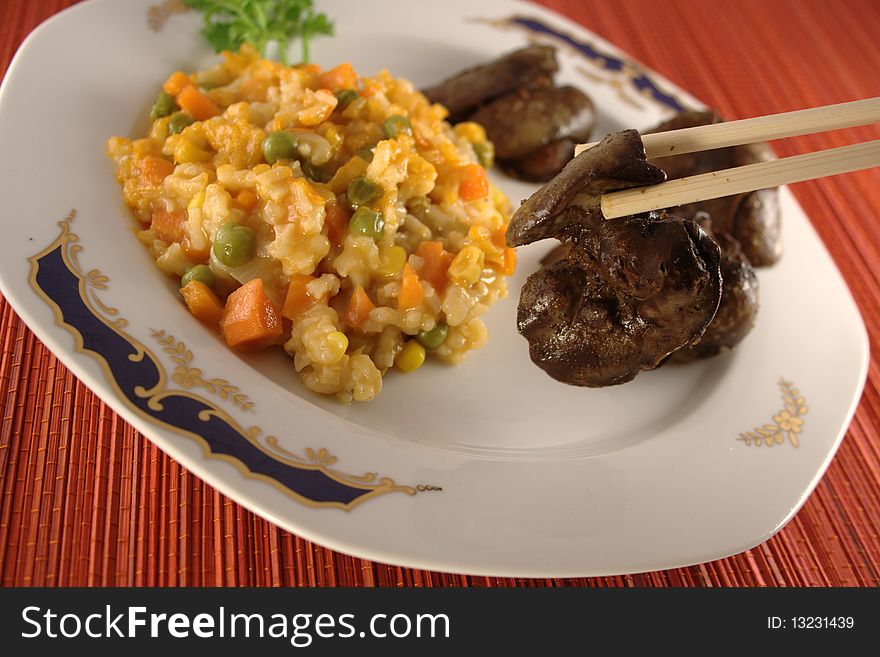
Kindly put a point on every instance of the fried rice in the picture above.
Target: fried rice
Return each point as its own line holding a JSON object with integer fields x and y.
{"x": 375, "y": 239}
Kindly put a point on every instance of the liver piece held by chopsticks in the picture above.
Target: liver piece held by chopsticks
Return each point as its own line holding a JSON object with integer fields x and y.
{"x": 739, "y": 299}
{"x": 752, "y": 219}
{"x": 628, "y": 292}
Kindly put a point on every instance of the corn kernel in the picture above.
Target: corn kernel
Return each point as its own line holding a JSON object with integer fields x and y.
{"x": 471, "y": 131}
{"x": 391, "y": 260}
{"x": 451, "y": 154}
{"x": 333, "y": 134}
{"x": 336, "y": 345}
{"x": 482, "y": 238}
{"x": 142, "y": 147}
{"x": 197, "y": 201}
{"x": 477, "y": 233}
{"x": 499, "y": 200}
{"x": 411, "y": 357}
{"x": 467, "y": 266}
{"x": 185, "y": 151}
{"x": 159, "y": 130}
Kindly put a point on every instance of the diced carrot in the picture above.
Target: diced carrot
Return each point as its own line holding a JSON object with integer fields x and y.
{"x": 247, "y": 199}
{"x": 177, "y": 82}
{"x": 474, "y": 183}
{"x": 508, "y": 265}
{"x": 310, "y": 68}
{"x": 298, "y": 299}
{"x": 370, "y": 89}
{"x": 153, "y": 169}
{"x": 499, "y": 236}
{"x": 478, "y": 233}
{"x": 169, "y": 226}
{"x": 340, "y": 77}
{"x": 197, "y": 104}
{"x": 436, "y": 261}
{"x": 336, "y": 218}
{"x": 410, "y": 295}
{"x": 359, "y": 307}
{"x": 202, "y": 302}
{"x": 250, "y": 319}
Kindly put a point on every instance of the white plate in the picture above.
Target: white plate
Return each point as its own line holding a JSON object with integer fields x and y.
{"x": 537, "y": 478}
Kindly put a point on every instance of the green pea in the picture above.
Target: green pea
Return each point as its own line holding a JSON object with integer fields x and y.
{"x": 178, "y": 121}
{"x": 345, "y": 96}
{"x": 318, "y": 174}
{"x": 366, "y": 222}
{"x": 396, "y": 124}
{"x": 234, "y": 245}
{"x": 362, "y": 191}
{"x": 200, "y": 273}
{"x": 485, "y": 153}
{"x": 279, "y": 146}
{"x": 163, "y": 106}
{"x": 433, "y": 338}
{"x": 365, "y": 154}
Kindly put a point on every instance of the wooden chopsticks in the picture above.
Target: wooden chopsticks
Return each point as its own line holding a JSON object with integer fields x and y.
{"x": 739, "y": 180}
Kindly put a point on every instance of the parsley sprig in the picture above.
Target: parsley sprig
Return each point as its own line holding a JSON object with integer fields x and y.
{"x": 230, "y": 23}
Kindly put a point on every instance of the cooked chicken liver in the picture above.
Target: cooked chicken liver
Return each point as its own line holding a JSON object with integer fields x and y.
{"x": 533, "y": 124}
{"x": 629, "y": 292}
{"x": 739, "y": 301}
{"x": 654, "y": 288}
{"x": 521, "y": 122}
{"x": 618, "y": 162}
{"x": 543, "y": 163}
{"x": 523, "y": 68}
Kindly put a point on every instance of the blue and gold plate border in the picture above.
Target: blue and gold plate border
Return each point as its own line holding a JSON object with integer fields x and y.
{"x": 141, "y": 382}
{"x": 624, "y": 74}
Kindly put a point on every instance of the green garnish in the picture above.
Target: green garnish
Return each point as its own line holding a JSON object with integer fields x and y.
{"x": 230, "y": 23}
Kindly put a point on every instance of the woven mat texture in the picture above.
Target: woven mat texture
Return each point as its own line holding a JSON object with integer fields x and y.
{"x": 86, "y": 500}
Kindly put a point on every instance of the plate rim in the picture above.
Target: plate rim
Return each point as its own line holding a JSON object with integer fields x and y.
{"x": 72, "y": 361}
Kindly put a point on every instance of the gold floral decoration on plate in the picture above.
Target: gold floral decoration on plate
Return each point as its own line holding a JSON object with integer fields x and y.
{"x": 99, "y": 332}
{"x": 787, "y": 423}
{"x": 188, "y": 376}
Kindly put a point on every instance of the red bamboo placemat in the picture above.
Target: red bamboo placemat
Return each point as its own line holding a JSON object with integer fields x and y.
{"x": 86, "y": 500}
